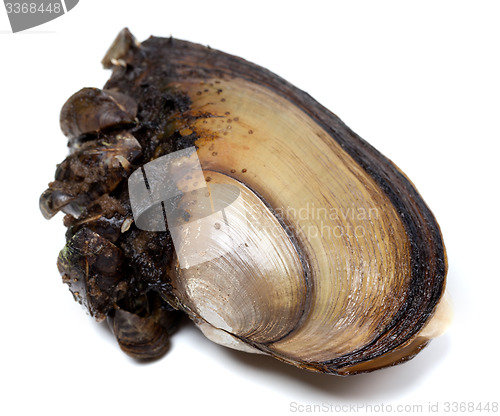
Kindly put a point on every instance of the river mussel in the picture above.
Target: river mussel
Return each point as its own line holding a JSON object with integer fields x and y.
{"x": 201, "y": 184}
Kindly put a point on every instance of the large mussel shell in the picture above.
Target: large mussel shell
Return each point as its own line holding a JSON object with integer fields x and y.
{"x": 327, "y": 257}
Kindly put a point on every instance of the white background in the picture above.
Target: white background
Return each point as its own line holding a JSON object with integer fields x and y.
{"x": 417, "y": 79}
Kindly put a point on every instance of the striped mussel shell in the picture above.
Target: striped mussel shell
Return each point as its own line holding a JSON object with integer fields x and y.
{"x": 293, "y": 236}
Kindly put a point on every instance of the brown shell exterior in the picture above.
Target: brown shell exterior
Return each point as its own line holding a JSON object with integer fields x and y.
{"x": 181, "y": 89}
